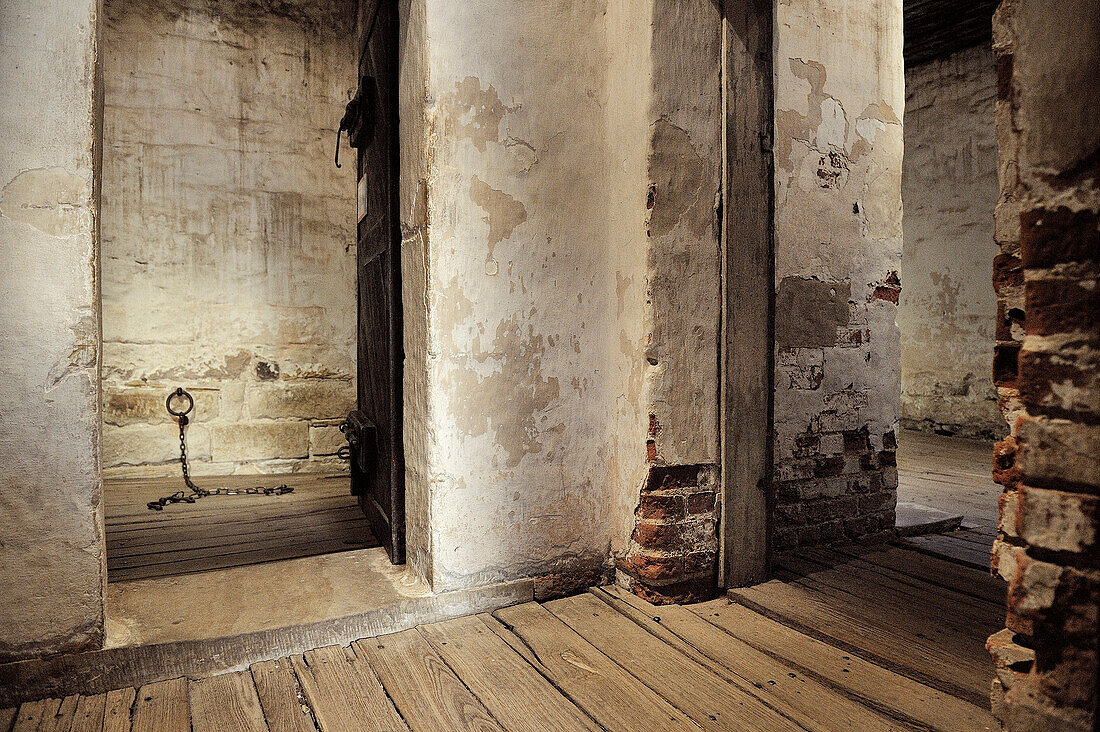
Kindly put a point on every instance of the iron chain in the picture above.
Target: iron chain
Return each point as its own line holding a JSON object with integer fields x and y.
{"x": 197, "y": 492}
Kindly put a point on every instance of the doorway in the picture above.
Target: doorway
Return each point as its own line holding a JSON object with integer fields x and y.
{"x": 229, "y": 270}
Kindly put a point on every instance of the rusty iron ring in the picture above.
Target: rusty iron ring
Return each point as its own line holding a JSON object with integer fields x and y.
{"x": 179, "y": 392}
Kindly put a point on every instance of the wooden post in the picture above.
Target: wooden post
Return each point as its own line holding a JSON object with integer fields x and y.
{"x": 748, "y": 266}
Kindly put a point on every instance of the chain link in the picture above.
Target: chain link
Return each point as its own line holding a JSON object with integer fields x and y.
{"x": 197, "y": 492}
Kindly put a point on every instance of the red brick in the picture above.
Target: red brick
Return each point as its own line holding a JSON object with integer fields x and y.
{"x": 1004, "y": 364}
{"x": 659, "y": 536}
{"x": 660, "y": 507}
{"x": 701, "y": 502}
{"x": 696, "y": 589}
{"x": 1008, "y": 271}
{"x": 1058, "y": 305}
{"x": 672, "y": 476}
{"x": 653, "y": 569}
{"x": 1049, "y": 237}
{"x": 1005, "y": 470}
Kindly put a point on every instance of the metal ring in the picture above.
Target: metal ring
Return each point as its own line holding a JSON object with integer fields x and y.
{"x": 179, "y": 392}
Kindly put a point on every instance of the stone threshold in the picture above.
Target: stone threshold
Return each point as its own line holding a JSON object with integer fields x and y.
{"x": 230, "y": 623}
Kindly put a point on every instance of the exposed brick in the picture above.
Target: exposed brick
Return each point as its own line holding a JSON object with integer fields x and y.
{"x": 785, "y": 536}
{"x": 789, "y": 514}
{"x": 1004, "y": 364}
{"x": 828, "y": 466}
{"x": 1061, "y": 385}
{"x": 887, "y": 459}
{"x": 653, "y": 568}
{"x": 701, "y": 502}
{"x": 874, "y": 502}
{"x": 857, "y": 440}
{"x": 1005, "y": 470}
{"x": 1008, "y": 271}
{"x": 589, "y": 571}
{"x": 660, "y": 536}
{"x": 694, "y": 589}
{"x": 1058, "y": 520}
{"x": 660, "y": 507}
{"x": 1061, "y": 305}
{"x": 889, "y": 441}
{"x": 1053, "y": 236}
{"x": 673, "y": 476}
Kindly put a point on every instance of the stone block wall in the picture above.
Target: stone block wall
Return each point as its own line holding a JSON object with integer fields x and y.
{"x": 949, "y": 186}
{"x": 838, "y": 238}
{"x": 1047, "y": 364}
{"x": 228, "y": 248}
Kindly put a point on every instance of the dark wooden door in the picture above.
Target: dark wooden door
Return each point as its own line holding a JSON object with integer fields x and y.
{"x": 378, "y": 465}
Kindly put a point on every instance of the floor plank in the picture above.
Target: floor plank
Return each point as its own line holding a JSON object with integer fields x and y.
{"x": 425, "y": 690}
{"x": 319, "y": 517}
{"x": 62, "y": 719}
{"x": 528, "y": 703}
{"x": 610, "y": 695}
{"x": 853, "y": 572}
{"x": 285, "y": 706}
{"x": 344, "y": 693}
{"x": 32, "y": 713}
{"x": 89, "y": 714}
{"x": 879, "y": 687}
{"x": 951, "y": 549}
{"x": 116, "y": 710}
{"x": 226, "y": 703}
{"x": 902, "y": 601}
{"x": 813, "y": 705}
{"x": 163, "y": 707}
{"x": 712, "y": 700}
{"x": 934, "y": 570}
{"x": 842, "y": 623}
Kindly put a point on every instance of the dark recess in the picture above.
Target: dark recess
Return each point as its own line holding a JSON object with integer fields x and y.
{"x": 938, "y": 28}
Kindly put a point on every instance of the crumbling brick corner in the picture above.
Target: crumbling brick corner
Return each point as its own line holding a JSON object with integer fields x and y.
{"x": 673, "y": 551}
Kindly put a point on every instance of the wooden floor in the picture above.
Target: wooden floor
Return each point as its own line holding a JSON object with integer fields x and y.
{"x": 319, "y": 517}
{"x": 887, "y": 638}
{"x": 948, "y": 473}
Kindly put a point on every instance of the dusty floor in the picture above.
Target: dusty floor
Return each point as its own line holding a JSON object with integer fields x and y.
{"x": 948, "y": 473}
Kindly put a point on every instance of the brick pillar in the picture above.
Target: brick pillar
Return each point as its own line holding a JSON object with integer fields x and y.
{"x": 1048, "y": 364}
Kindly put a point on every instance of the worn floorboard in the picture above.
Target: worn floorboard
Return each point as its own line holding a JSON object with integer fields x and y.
{"x": 529, "y": 703}
{"x": 319, "y": 517}
{"x": 427, "y": 693}
{"x": 345, "y": 693}
{"x": 855, "y": 638}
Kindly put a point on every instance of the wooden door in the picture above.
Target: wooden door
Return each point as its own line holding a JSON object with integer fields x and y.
{"x": 374, "y": 429}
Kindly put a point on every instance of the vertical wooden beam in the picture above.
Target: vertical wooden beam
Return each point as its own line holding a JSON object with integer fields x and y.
{"x": 748, "y": 268}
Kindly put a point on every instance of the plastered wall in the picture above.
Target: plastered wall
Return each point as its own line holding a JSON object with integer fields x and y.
{"x": 228, "y": 234}
{"x": 839, "y": 106}
{"x": 947, "y": 304}
{"x": 51, "y": 543}
{"x": 560, "y": 263}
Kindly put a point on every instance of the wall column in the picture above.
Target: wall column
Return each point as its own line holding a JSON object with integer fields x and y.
{"x": 51, "y": 525}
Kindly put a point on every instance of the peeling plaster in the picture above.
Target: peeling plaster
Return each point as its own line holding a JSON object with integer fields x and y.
{"x": 504, "y": 213}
